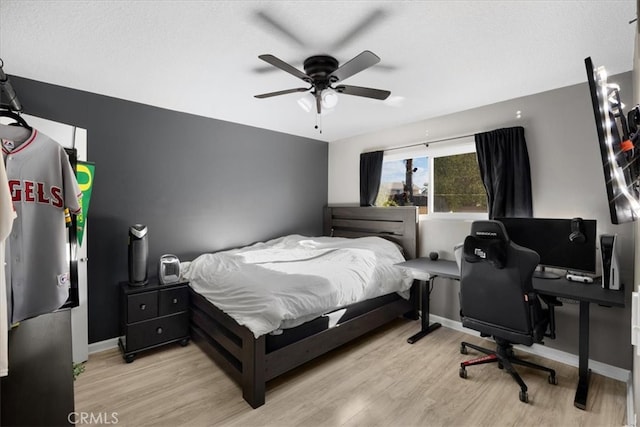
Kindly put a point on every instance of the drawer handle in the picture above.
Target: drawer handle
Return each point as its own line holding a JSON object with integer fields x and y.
{"x": 143, "y": 306}
{"x": 159, "y": 331}
{"x": 175, "y": 300}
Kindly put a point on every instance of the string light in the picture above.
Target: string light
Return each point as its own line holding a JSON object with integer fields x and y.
{"x": 616, "y": 176}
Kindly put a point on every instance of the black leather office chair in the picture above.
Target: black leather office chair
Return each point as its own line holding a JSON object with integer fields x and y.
{"x": 497, "y": 299}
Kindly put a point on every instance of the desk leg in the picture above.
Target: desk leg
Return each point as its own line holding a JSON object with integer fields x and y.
{"x": 424, "y": 313}
{"x": 580, "y": 400}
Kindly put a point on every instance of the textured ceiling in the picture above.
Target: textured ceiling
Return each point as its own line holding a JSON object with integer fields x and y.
{"x": 201, "y": 57}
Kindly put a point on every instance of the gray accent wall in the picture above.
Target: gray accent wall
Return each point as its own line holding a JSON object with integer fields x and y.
{"x": 199, "y": 184}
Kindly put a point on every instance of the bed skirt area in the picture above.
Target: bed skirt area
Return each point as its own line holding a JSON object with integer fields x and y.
{"x": 254, "y": 361}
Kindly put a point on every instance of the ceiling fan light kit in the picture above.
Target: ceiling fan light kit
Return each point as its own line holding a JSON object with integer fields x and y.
{"x": 306, "y": 102}
{"x": 322, "y": 72}
{"x": 329, "y": 100}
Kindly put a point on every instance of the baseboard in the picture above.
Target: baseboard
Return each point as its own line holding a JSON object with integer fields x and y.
{"x": 99, "y": 346}
{"x": 631, "y": 415}
{"x": 604, "y": 369}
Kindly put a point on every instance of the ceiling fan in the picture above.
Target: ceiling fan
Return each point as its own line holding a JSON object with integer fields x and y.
{"x": 275, "y": 25}
{"x": 325, "y": 75}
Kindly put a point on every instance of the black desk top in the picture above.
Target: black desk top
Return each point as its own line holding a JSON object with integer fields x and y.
{"x": 591, "y": 292}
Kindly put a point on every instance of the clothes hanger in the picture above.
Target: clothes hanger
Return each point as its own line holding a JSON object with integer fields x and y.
{"x": 19, "y": 131}
{"x": 22, "y": 122}
{"x": 16, "y": 132}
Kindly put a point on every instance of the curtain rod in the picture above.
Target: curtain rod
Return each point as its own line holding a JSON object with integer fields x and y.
{"x": 426, "y": 143}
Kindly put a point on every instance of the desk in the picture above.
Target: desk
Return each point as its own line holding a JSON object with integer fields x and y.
{"x": 584, "y": 293}
{"x": 425, "y": 271}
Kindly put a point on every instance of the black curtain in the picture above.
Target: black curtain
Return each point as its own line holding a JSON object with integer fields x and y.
{"x": 370, "y": 172}
{"x": 504, "y": 168}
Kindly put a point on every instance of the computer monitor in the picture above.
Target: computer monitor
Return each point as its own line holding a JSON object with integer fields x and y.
{"x": 556, "y": 242}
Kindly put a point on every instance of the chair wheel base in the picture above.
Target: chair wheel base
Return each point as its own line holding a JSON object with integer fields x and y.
{"x": 524, "y": 396}
{"x": 505, "y": 360}
{"x": 463, "y": 373}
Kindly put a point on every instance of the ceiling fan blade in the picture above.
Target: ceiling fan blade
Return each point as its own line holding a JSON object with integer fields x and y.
{"x": 282, "y": 92}
{"x": 268, "y": 68}
{"x": 384, "y": 67}
{"x": 361, "y": 62}
{"x": 368, "y": 21}
{"x": 263, "y": 69}
{"x": 276, "y": 62}
{"x": 367, "y": 92}
{"x": 262, "y": 15}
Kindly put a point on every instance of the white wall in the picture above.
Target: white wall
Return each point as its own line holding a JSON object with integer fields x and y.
{"x": 567, "y": 181}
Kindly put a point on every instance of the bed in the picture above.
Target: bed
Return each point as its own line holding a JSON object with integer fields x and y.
{"x": 253, "y": 357}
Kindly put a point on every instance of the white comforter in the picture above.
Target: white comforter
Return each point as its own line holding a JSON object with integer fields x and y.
{"x": 267, "y": 284}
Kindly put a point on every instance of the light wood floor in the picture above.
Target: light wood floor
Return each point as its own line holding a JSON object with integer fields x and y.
{"x": 379, "y": 380}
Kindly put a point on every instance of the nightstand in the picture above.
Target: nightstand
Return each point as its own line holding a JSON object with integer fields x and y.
{"x": 151, "y": 316}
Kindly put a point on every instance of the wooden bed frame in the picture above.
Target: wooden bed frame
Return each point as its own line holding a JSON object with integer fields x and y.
{"x": 254, "y": 361}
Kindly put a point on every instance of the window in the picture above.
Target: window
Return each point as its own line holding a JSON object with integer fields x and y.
{"x": 457, "y": 184}
{"x": 404, "y": 182}
{"x": 442, "y": 180}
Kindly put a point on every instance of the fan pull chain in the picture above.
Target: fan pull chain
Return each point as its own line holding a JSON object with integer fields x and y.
{"x": 318, "y": 123}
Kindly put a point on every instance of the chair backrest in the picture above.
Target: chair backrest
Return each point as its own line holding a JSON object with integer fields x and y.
{"x": 496, "y": 281}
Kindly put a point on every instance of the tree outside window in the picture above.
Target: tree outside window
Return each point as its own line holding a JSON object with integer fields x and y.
{"x": 457, "y": 184}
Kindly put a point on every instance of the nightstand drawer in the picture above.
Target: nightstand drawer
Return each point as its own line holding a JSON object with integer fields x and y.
{"x": 142, "y": 306}
{"x": 157, "y": 331}
{"x": 173, "y": 300}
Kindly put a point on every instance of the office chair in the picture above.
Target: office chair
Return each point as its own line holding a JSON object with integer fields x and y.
{"x": 497, "y": 299}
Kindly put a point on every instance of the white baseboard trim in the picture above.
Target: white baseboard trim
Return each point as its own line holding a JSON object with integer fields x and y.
{"x": 99, "y": 346}
{"x": 631, "y": 414}
{"x": 610, "y": 371}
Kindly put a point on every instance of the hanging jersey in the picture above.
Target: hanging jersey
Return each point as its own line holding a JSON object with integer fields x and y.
{"x": 41, "y": 183}
{"x": 7, "y": 214}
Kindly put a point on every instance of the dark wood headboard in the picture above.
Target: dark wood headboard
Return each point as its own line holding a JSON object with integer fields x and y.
{"x": 398, "y": 223}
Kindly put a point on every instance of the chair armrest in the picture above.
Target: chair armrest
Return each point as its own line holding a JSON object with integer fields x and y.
{"x": 552, "y": 302}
